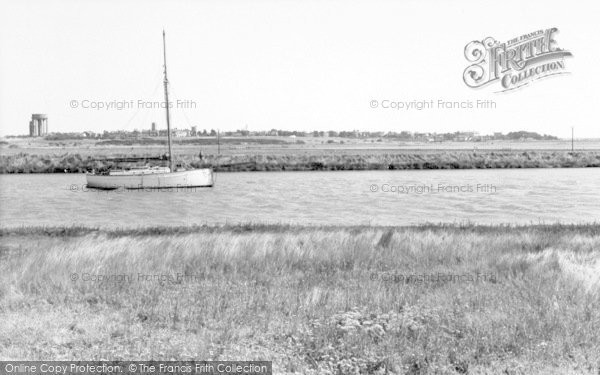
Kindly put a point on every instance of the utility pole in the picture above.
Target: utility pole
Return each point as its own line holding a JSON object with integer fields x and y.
{"x": 572, "y": 139}
{"x": 218, "y": 143}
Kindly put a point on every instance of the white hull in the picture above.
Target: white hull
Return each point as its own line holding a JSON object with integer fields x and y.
{"x": 183, "y": 179}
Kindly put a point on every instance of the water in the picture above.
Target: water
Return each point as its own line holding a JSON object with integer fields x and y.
{"x": 516, "y": 196}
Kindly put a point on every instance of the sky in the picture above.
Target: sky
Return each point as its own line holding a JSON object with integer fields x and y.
{"x": 293, "y": 65}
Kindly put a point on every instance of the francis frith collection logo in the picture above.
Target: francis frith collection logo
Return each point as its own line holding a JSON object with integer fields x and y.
{"x": 514, "y": 63}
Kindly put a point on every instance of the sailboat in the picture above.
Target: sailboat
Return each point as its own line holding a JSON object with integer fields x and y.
{"x": 154, "y": 177}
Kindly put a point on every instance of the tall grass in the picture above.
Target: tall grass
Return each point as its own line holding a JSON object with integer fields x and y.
{"x": 32, "y": 163}
{"x": 312, "y": 300}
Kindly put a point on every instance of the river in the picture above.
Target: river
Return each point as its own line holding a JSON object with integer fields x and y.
{"x": 513, "y": 196}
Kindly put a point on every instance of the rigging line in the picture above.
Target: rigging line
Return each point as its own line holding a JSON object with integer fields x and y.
{"x": 131, "y": 118}
{"x": 158, "y": 82}
{"x": 144, "y": 120}
{"x": 190, "y": 125}
{"x": 182, "y": 109}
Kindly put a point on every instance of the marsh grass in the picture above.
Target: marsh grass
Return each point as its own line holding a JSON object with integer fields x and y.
{"x": 312, "y": 300}
{"x": 77, "y": 163}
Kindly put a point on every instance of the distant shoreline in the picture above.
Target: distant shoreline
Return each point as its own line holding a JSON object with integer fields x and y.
{"x": 25, "y": 163}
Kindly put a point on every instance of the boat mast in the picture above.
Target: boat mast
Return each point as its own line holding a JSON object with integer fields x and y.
{"x": 166, "y": 82}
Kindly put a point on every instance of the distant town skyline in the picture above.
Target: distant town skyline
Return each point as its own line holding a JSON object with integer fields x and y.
{"x": 302, "y": 65}
{"x": 194, "y": 131}
{"x": 38, "y": 126}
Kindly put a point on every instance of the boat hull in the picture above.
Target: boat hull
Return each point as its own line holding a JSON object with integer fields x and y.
{"x": 168, "y": 180}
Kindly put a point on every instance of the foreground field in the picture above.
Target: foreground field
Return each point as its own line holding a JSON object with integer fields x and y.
{"x": 416, "y": 300}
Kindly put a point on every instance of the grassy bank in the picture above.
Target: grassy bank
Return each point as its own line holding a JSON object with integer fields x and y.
{"x": 511, "y": 300}
{"x": 76, "y": 163}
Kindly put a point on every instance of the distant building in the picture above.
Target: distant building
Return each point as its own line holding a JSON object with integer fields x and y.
{"x": 194, "y": 131}
{"x": 38, "y": 126}
{"x": 180, "y": 133}
{"x": 464, "y": 136}
{"x": 153, "y": 131}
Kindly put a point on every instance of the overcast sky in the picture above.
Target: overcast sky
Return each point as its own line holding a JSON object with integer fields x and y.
{"x": 295, "y": 65}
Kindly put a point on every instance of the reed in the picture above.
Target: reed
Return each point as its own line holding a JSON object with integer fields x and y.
{"x": 314, "y": 300}
{"x": 76, "y": 163}
{"x": 558, "y": 229}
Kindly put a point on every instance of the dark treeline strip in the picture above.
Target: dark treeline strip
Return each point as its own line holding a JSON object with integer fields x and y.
{"x": 76, "y": 163}
{"x": 80, "y": 230}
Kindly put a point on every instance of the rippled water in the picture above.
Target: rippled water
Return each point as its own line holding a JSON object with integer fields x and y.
{"x": 335, "y": 198}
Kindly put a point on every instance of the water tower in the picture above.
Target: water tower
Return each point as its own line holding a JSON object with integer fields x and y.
{"x": 38, "y": 126}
